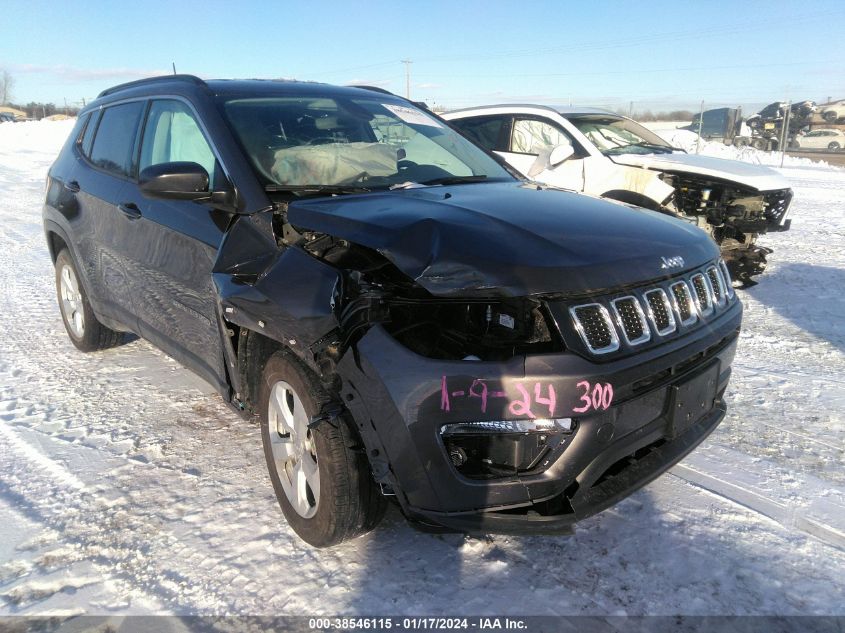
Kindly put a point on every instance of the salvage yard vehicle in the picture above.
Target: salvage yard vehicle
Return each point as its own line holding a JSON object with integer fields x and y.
{"x": 603, "y": 154}
{"x": 406, "y": 318}
{"x": 820, "y": 139}
{"x": 833, "y": 111}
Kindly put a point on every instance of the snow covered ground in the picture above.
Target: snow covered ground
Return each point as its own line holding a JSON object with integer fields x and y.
{"x": 126, "y": 486}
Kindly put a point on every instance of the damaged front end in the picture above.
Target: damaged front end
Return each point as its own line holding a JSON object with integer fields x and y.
{"x": 734, "y": 216}
{"x": 521, "y": 399}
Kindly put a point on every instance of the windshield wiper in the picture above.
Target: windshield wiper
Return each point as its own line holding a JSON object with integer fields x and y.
{"x": 648, "y": 145}
{"x": 454, "y": 180}
{"x": 327, "y": 189}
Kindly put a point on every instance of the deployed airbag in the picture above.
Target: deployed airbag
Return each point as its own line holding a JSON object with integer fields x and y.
{"x": 333, "y": 163}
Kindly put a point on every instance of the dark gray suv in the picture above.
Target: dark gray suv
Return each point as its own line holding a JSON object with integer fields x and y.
{"x": 408, "y": 320}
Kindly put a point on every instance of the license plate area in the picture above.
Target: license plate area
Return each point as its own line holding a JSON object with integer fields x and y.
{"x": 691, "y": 400}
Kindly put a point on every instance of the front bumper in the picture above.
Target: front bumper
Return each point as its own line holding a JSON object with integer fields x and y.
{"x": 400, "y": 402}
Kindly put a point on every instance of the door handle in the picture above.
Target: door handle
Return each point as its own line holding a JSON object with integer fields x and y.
{"x": 72, "y": 186}
{"x": 130, "y": 210}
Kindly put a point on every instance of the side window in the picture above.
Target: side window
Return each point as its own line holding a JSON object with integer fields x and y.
{"x": 532, "y": 136}
{"x": 115, "y": 137}
{"x": 483, "y": 131}
{"x": 173, "y": 135}
{"x": 88, "y": 136}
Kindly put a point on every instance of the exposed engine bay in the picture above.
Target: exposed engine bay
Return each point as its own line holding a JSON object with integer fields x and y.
{"x": 734, "y": 217}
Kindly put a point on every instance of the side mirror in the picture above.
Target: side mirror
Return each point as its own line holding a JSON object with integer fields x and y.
{"x": 560, "y": 154}
{"x": 174, "y": 181}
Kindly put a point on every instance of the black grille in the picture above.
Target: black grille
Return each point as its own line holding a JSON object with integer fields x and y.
{"x": 715, "y": 282}
{"x": 681, "y": 295}
{"x": 653, "y": 313}
{"x": 702, "y": 294}
{"x": 593, "y": 321}
{"x": 777, "y": 203}
{"x": 631, "y": 319}
{"x": 660, "y": 310}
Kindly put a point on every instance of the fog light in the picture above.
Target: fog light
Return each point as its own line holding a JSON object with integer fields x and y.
{"x": 499, "y": 448}
{"x": 458, "y": 456}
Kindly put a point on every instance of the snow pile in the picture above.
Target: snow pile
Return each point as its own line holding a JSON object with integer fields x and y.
{"x": 128, "y": 487}
{"x": 686, "y": 140}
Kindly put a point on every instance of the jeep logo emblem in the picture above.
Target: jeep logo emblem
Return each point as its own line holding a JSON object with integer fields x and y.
{"x": 672, "y": 262}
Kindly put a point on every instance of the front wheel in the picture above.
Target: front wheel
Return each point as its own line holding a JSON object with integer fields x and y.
{"x": 82, "y": 326}
{"x": 320, "y": 475}
{"x": 834, "y": 145}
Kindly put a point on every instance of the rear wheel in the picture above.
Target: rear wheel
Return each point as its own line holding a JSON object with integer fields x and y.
{"x": 833, "y": 145}
{"x": 320, "y": 475}
{"x": 83, "y": 328}
{"x": 830, "y": 116}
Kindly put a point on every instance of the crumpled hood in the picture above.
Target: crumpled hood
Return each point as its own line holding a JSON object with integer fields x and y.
{"x": 507, "y": 239}
{"x": 755, "y": 176}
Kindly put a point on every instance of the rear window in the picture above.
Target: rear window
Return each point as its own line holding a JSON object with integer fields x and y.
{"x": 115, "y": 137}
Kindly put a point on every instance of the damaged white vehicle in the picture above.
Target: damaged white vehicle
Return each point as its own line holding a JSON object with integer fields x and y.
{"x": 603, "y": 154}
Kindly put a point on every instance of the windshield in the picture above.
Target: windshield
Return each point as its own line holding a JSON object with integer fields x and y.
{"x": 615, "y": 135}
{"x": 318, "y": 142}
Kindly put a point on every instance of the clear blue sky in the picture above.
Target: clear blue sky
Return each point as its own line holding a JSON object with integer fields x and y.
{"x": 660, "y": 55}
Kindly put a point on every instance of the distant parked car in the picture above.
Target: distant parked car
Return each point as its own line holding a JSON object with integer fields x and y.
{"x": 7, "y": 117}
{"x": 833, "y": 111}
{"x": 821, "y": 139}
{"x": 603, "y": 154}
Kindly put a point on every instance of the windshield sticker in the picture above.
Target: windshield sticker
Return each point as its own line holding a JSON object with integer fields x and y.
{"x": 411, "y": 115}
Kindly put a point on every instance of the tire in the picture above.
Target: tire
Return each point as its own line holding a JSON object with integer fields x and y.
{"x": 329, "y": 458}
{"x": 794, "y": 145}
{"x": 82, "y": 327}
{"x": 830, "y": 116}
{"x": 834, "y": 145}
{"x": 758, "y": 143}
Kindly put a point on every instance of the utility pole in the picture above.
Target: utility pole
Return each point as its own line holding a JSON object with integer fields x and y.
{"x": 700, "y": 121}
{"x": 784, "y": 133}
{"x": 407, "y": 63}
{"x": 174, "y": 67}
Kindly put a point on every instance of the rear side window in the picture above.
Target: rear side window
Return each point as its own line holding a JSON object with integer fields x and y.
{"x": 115, "y": 137}
{"x": 88, "y": 136}
{"x": 172, "y": 134}
{"x": 484, "y": 131}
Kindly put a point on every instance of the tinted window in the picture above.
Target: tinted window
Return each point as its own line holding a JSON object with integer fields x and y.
{"x": 484, "y": 131}
{"x": 172, "y": 134}
{"x": 88, "y": 136}
{"x": 115, "y": 137}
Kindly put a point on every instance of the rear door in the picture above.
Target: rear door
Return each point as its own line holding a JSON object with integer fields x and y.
{"x": 102, "y": 229}
{"x": 174, "y": 245}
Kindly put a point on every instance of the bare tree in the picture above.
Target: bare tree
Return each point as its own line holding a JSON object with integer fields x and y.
{"x": 7, "y": 82}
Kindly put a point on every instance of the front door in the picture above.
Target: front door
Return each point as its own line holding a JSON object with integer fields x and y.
{"x": 175, "y": 244}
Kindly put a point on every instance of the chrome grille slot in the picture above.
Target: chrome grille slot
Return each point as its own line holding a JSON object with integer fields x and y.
{"x": 631, "y": 320}
{"x": 682, "y": 300}
{"x": 718, "y": 286}
{"x": 660, "y": 311}
{"x": 703, "y": 294}
{"x": 592, "y": 321}
{"x": 723, "y": 267}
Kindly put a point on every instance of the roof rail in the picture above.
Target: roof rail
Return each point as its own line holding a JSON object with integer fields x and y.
{"x": 140, "y": 82}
